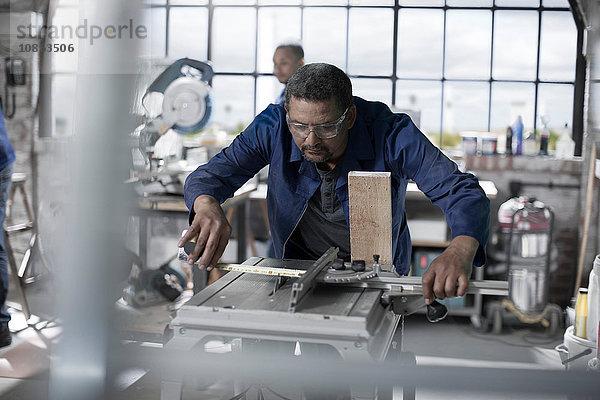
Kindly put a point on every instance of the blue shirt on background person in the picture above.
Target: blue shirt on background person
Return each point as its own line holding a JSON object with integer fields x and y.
{"x": 7, "y": 158}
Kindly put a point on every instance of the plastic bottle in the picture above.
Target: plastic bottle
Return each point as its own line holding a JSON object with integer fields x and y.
{"x": 509, "y": 140}
{"x": 581, "y": 309}
{"x": 565, "y": 146}
{"x": 517, "y": 129}
{"x": 593, "y": 301}
{"x": 530, "y": 144}
{"x": 544, "y": 137}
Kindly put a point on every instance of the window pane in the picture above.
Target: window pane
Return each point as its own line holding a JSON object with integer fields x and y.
{"x": 279, "y": 2}
{"x": 63, "y": 99}
{"x": 370, "y": 2}
{"x": 469, "y": 3}
{"x": 327, "y": 23}
{"x": 156, "y": 21}
{"x": 189, "y": 2}
{"x": 421, "y": 3}
{"x": 555, "y": 101}
{"x": 370, "y": 41}
{"x": 468, "y": 44}
{"x": 424, "y": 97}
{"x": 518, "y": 3}
{"x": 268, "y": 90}
{"x": 373, "y": 89}
{"x": 188, "y": 31}
{"x": 510, "y": 100}
{"x": 465, "y": 107}
{"x": 235, "y": 2}
{"x": 233, "y": 101}
{"x": 233, "y": 40}
{"x": 420, "y": 43}
{"x": 558, "y": 46}
{"x": 275, "y": 26}
{"x": 325, "y": 2}
{"x": 515, "y": 45}
{"x": 556, "y": 3}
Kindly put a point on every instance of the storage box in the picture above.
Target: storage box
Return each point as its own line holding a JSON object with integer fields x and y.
{"x": 421, "y": 261}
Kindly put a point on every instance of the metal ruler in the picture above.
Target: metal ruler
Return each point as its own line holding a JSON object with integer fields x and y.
{"x": 404, "y": 284}
{"x": 255, "y": 269}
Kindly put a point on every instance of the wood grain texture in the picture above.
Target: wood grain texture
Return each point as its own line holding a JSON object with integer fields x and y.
{"x": 370, "y": 199}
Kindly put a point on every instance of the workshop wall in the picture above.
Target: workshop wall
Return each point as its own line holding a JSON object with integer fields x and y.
{"x": 21, "y": 126}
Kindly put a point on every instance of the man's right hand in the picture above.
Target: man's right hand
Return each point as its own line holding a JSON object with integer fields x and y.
{"x": 210, "y": 229}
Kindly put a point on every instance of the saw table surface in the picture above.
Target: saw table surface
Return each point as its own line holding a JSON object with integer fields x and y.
{"x": 247, "y": 305}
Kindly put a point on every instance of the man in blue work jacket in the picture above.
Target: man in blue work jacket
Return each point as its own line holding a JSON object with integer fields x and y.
{"x": 311, "y": 143}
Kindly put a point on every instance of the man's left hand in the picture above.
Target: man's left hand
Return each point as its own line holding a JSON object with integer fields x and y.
{"x": 448, "y": 275}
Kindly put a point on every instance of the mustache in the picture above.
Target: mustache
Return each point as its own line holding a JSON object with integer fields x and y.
{"x": 311, "y": 148}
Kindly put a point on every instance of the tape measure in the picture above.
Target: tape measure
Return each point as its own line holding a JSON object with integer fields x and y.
{"x": 253, "y": 269}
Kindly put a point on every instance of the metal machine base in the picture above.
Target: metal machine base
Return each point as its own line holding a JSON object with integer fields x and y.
{"x": 243, "y": 309}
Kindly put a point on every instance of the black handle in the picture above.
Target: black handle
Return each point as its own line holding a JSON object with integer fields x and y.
{"x": 173, "y": 72}
{"x": 436, "y": 311}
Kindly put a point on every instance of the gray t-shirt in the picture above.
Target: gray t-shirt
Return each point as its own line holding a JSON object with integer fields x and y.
{"x": 323, "y": 224}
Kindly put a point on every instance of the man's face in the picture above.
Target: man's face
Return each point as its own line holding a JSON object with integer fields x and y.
{"x": 285, "y": 64}
{"x": 313, "y": 148}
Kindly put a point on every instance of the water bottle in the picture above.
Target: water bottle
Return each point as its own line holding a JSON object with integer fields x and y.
{"x": 517, "y": 130}
{"x": 509, "y": 140}
{"x": 544, "y": 137}
{"x": 593, "y": 301}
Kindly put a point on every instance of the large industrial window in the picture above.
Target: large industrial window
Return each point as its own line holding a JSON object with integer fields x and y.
{"x": 463, "y": 65}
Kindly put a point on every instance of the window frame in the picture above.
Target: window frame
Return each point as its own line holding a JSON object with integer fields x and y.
{"x": 578, "y": 84}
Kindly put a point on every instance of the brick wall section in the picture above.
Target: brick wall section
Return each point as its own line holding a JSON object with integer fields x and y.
{"x": 563, "y": 201}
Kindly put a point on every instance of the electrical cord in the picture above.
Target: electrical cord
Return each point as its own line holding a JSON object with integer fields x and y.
{"x": 260, "y": 393}
{"x": 525, "y": 336}
{"x": 242, "y": 394}
{"x": 277, "y": 394}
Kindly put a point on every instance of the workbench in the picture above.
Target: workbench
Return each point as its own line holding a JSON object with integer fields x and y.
{"x": 173, "y": 206}
{"x": 352, "y": 321}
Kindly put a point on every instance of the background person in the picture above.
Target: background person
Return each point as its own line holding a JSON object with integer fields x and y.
{"x": 288, "y": 57}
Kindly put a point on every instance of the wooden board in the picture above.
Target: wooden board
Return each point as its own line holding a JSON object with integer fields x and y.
{"x": 370, "y": 198}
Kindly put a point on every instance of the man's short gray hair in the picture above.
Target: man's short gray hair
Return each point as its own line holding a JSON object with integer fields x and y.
{"x": 320, "y": 82}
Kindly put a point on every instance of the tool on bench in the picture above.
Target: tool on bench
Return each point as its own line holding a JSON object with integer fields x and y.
{"x": 403, "y": 294}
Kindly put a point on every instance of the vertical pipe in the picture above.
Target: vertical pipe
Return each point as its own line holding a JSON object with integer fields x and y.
{"x": 92, "y": 256}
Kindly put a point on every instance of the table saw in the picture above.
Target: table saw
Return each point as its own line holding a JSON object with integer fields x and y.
{"x": 353, "y": 308}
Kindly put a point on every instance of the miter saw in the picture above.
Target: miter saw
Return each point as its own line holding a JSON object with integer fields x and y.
{"x": 178, "y": 102}
{"x": 186, "y": 102}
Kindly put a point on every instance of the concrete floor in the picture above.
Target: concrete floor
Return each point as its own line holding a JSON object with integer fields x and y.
{"x": 453, "y": 342}
{"x": 25, "y": 365}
